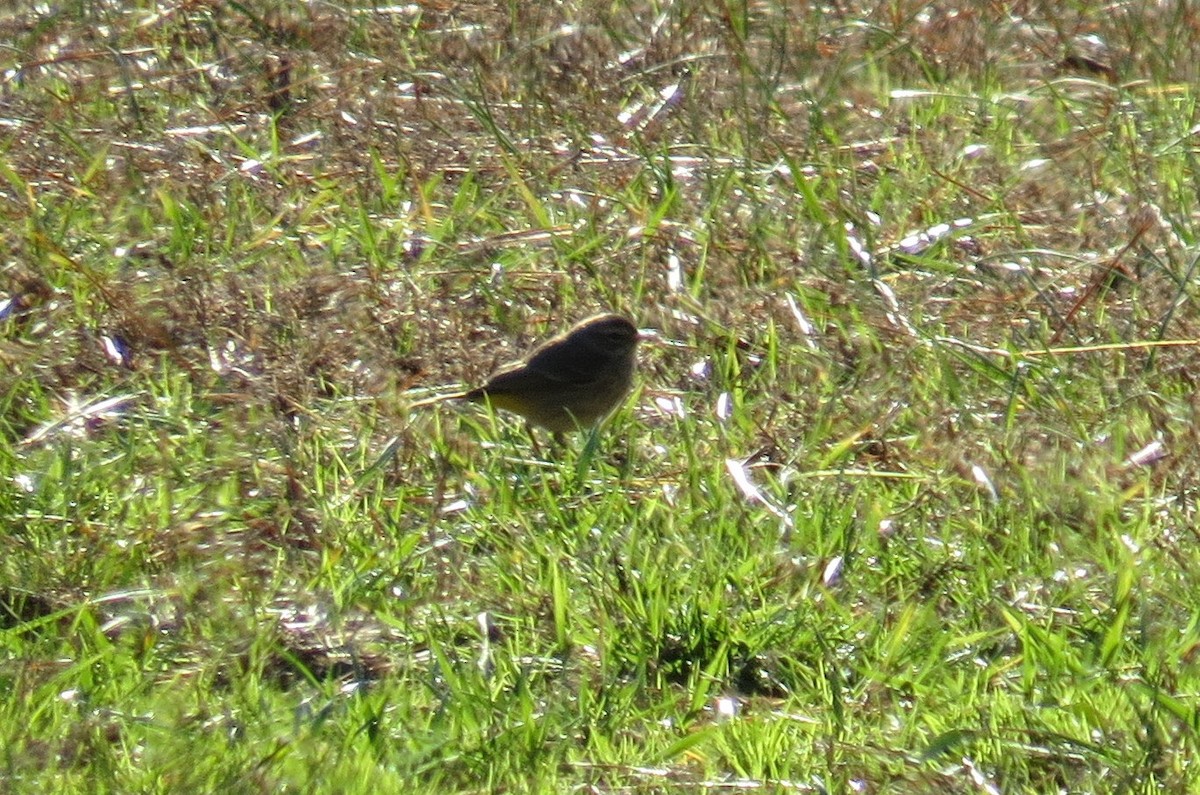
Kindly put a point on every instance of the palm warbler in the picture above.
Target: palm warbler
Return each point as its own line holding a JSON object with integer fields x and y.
{"x": 571, "y": 381}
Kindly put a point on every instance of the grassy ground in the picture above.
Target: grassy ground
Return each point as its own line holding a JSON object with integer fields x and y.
{"x": 904, "y": 500}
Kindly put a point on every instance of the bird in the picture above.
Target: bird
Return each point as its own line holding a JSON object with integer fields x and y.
{"x": 570, "y": 382}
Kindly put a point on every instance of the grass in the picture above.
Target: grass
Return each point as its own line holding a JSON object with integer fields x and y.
{"x": 904, "y": 500}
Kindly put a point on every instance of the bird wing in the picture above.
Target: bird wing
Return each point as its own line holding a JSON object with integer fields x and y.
{"x": 570, "y": 364}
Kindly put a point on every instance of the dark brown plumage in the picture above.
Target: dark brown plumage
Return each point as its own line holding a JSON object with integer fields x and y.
{"x": 571, "y": 381}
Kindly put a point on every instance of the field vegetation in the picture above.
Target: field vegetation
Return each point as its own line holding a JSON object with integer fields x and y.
{"x": 904, "y": 500}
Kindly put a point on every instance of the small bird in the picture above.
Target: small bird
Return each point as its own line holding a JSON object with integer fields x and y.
{"x": 569, "y": 382}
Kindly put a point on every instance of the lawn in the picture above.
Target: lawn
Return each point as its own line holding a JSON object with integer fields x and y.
{"x": 904, "y": 497}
